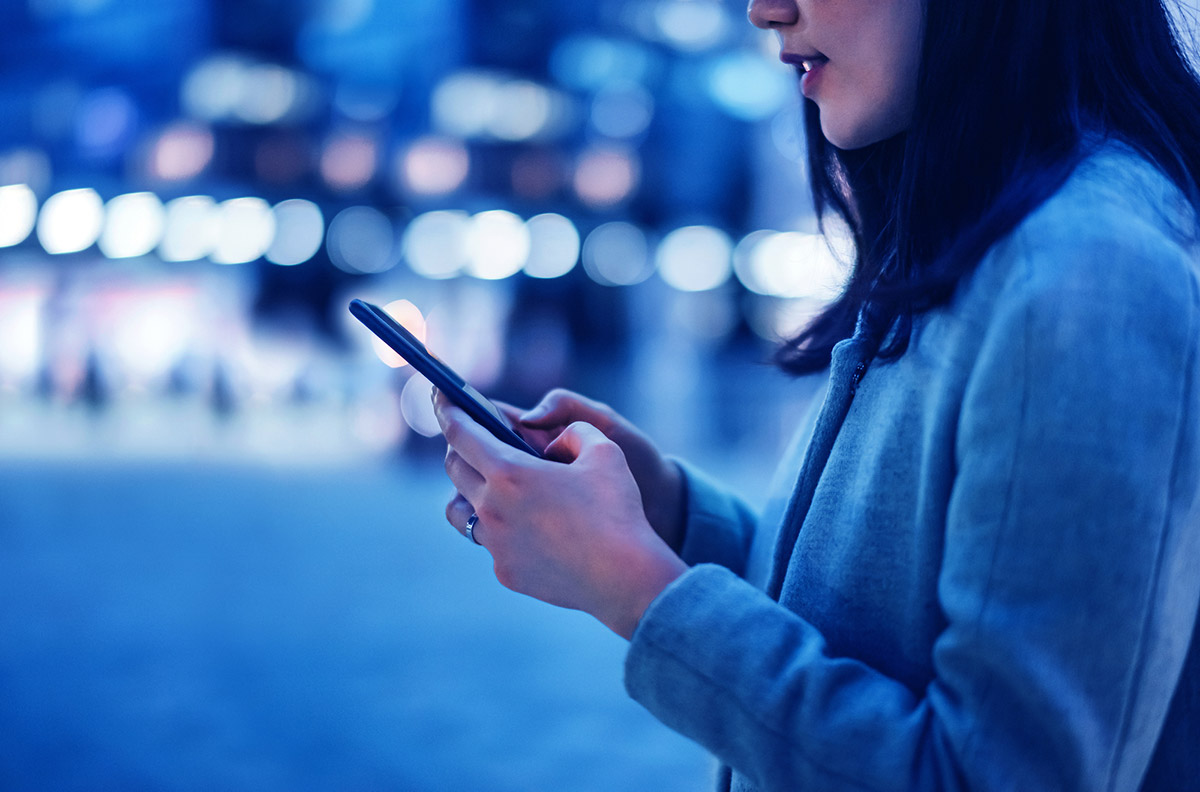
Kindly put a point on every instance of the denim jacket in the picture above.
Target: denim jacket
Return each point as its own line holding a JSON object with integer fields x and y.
{"x": 980, "y": 569}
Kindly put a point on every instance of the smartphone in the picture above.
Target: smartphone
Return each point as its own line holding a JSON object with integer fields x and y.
{"x": 472, "y": 402}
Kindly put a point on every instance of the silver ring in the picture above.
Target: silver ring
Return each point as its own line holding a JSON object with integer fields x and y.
{"x": 470, "y": 532}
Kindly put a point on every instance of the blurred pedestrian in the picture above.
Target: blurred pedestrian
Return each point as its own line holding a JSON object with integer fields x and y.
{"x": 979, "y": 569}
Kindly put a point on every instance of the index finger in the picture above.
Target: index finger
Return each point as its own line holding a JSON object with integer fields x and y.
{"x": 475, "y": 444}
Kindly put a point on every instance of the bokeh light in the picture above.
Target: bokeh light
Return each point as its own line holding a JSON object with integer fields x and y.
{"x": 617, "y": 254}
{"x": 133, "y": 226}
{"x": 435, "y": 243}
{"x": 748, "y": 87}
{"x": 553, "y": 246}
{"x": 362, "y": 241}
{"x": 433, "y": 166}
{"x": 70, "y": 221}
{"x": 691, "y": 25}
{"x": 190, "y": 230}
{"x": 299, "y": 232}
{"x": 622, "y": 111}
{"x": 417, "y": 406}
{"x": 411, "y": 319}
{"x": 21, "y": 315}
{"x": 349, "y": 162}
{"x": 606, "y": 176}
{"x": 245, "y": 230}
{"x": 695, "y": 258}
{"x": 181, "y": 152}
{"x": 497, "y": 245}
{"x": 795, "y": 265}
{"x": 18, "y": 214}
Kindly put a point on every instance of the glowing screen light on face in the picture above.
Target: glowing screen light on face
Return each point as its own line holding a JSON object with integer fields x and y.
{"x": 134, "y": 225}
{"x": 435, "y": 244}
{"x": 299, "y": 232}
{"x": 497, "y": 245}
{"x": 695, "y": 258}
{"x": 70, "y": 221}
{"x": 18, "y": 214}
{"x": 553, "y": 246}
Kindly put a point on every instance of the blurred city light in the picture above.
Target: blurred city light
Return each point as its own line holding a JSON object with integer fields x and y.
{"x": 417, "y": 406}
{"x": 190, "y": 230}
{"x": 435, "y": 243}
{"x": 589, "y": 62}
{"x": 362, "y": 241}
{"x": 497, "y": 245}
{"x": 482, "y": 104}
{"x": 70, "y": 221}
{"x": 622, "y": 111}
{"x": 349, "y": 162}
{"x": 744, "y": 264}
{"x": 553, "y": 246}
{"x": 230, "y": 87}
{"x": 18, "y": 214}
{"x": 21, "y": 306}
{"x": 795, "y": 265}
{"x": 606, "y": 176}
{"x": 433, "y": 166}
{"x": 695, "y": 258}
{"x": 617, "y": 254}
{"x": 245, "y": 230}
{"x": 299, "y": 232}
{"x": 691, "y": 25}
{"x": 146, "y": 330}
{"x": 182, "y": 152}
{"x": 410, "y": 318}
{"x": 749, "y": 87}
{"x": 133, "y": 226}
{"x": 464, "y": 104}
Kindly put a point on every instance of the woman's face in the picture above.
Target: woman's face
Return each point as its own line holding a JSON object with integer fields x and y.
{"x": 858, "y": 60}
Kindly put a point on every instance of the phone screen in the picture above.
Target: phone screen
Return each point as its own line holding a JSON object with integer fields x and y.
{"x": 444, "y": 378}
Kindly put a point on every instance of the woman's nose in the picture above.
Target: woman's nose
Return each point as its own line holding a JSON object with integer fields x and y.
{"x": 768, "y": 14}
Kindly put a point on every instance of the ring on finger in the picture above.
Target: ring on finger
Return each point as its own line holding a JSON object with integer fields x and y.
{"x": 472, "y": 521}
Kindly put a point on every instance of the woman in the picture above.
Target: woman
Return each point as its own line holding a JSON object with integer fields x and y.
{"x": 985, "y": 575}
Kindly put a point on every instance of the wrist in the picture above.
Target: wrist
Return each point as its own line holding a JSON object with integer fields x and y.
{"x": 649, "y": 578}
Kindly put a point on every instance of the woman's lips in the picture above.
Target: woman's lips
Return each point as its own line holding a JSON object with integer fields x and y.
{"x": 812, "y": 75}
{"x": 810, "y": 66}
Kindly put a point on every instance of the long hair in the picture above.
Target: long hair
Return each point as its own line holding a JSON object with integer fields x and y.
{"x": 1009, "y": 91}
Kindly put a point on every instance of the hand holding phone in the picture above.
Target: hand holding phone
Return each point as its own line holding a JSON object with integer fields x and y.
{"x": 462, "y": 395}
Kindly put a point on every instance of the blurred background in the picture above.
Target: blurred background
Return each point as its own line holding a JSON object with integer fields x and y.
{"x": 223, "y": 556}
{"x": 223, "y": 560}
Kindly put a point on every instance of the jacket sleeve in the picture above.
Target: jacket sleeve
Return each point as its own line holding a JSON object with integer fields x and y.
{"x": 719, "y": 526}
{"x": 1068, "y": 581}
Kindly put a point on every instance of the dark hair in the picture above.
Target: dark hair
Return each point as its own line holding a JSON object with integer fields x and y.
{"x": 1009, "y": 93}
